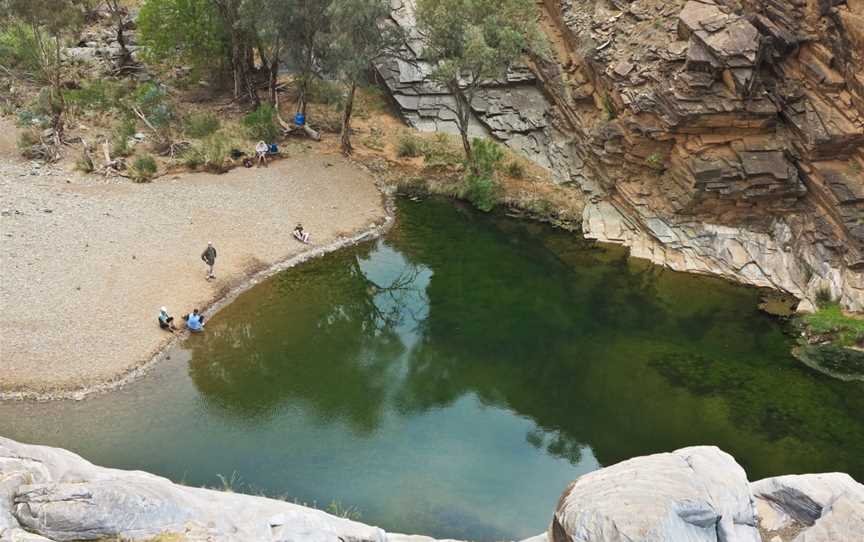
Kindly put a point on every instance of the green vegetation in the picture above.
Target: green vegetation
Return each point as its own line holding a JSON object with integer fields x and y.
{"x": 515, "y": 170}
{"x": 187, "y": 31}
{"x": 655, "y": 159}
{"x": 143, "y": 168}
{"x": 261, "y": 124}
{"x": 199, "y": 125}
{"x": 356, "y": 41}
{"x": 481, "y": 188}
{"x": 18, "y": 47}
{"x": 123, "y": 130}
{"x": 409, "y": 146}
{"x": 470, "y": 41}
{"x": 151, "y": 100}
{"x": 830, "y": 320}
{"x": 211, "y": 152}
{"x": 85, "y": 163}
{"x": 338, "y": 509}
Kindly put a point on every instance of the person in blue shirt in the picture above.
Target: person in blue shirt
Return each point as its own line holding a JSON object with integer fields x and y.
{"x": 194, "y": 321}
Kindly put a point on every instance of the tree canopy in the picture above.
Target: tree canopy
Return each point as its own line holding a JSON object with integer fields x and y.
{"x": 470, "y": 41}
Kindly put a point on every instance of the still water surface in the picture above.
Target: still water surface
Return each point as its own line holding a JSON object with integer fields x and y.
{"x": 452, "y": 378}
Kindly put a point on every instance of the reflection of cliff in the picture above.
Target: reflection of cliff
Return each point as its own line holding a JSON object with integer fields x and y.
{"x": 707, "y": 138}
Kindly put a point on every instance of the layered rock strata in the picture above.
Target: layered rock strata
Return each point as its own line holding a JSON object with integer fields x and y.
{"x": 712, "y": 136}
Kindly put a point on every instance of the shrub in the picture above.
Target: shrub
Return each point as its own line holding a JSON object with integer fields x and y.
{"x": 92, "y": 95}
{"x": 482, "y": 192}
{"x": 326, "y": 92}
{"x": 200, "y": 125}
{"x": 515, "y": 170}
{"x": 28, "y": 119}
{"x": 409, "y": 146}
{"x": 480, "y": 188}
{"x": 212, "y": 153}
{"x": 18, "y": 47}
{"x": 85, "y": 163}
{"x": 440, "y": 150}
{"x": 824, "y": 298}
{"x": 123, "y": 130}
{"x": 654, "y": 159}
{"x": 152, "y": 100}
{"x": 261, "y": 123}
{"x": 486, "y": 155}
{"x": 143, "y": 168}
{"x": 27, "y": 139}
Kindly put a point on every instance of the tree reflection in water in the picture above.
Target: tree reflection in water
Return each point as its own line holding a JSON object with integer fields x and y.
{"x": 597, "y": 349}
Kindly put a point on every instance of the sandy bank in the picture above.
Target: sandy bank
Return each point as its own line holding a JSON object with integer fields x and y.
{"x": 86, "y": 263}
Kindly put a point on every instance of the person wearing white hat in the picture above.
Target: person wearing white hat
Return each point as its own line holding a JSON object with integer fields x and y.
{"x": 166, "y": 321}
{"x": 209, "y": 257}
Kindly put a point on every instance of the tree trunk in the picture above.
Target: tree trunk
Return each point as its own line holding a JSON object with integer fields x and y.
{"x": 463, "y": 117}
{"x": 273, "y": 78}
{"x": 346, "y": 120}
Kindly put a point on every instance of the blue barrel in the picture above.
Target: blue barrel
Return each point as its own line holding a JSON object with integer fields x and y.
{"x": 299, "y": 119}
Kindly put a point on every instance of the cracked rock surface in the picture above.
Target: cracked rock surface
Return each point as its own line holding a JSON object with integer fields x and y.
{"x": 716, "y": 136}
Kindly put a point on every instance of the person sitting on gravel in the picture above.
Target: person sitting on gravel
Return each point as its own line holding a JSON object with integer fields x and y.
{"x": 166, "y": 321}
{"x": 301, "y": 235}
{"x": 261, "y": 150}
{"x": 194, "y": 321}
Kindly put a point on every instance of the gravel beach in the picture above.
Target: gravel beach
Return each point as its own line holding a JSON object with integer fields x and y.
{"x": 85, "y": 262}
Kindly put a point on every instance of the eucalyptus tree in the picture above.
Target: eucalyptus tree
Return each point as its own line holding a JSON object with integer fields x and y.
{"x": 471, "y": 41}
{"x": 270, "y": 21}
{"x": 361, "y": 33}
{"x": 307, "y": 30}
{"x": 43, "y": 25}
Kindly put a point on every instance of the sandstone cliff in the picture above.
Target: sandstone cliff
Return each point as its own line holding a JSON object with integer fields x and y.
{"x": 712, "y": 136}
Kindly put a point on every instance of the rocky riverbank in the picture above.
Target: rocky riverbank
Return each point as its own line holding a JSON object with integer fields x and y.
{"x": 87, "y": 261}
{"x": 697, "y": 494}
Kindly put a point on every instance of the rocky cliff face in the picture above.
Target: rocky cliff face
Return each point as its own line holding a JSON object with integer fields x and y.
{"x": 712, "y": 136}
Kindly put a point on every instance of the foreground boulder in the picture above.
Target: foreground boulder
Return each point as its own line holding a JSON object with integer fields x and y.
{"x": 49, "y": 494}
{"x": 810, "y": 508}
{"x": 697, "y": 494}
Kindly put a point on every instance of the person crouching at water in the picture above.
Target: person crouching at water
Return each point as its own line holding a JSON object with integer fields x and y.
{"x": 194, "y": 321}
{"x": 209, "y": 257}
{"x": 166, "y": 321}
{"x": 301, "y": 235}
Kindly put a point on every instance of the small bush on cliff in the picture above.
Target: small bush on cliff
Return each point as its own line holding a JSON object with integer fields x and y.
{"x": 409, "y": 146}
{"x": 481, "y": 188}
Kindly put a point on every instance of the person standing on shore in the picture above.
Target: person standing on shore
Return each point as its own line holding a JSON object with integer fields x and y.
{"x": 209, "y": 257}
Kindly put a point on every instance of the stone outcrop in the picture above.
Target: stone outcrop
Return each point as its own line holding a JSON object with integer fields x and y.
{"x": 691, "y": 495}
{"x": 710, "y": 135}
{"x": 810, "y": 508}
{"x": 696, "y": 494}
{"x": 49, "y": 494}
